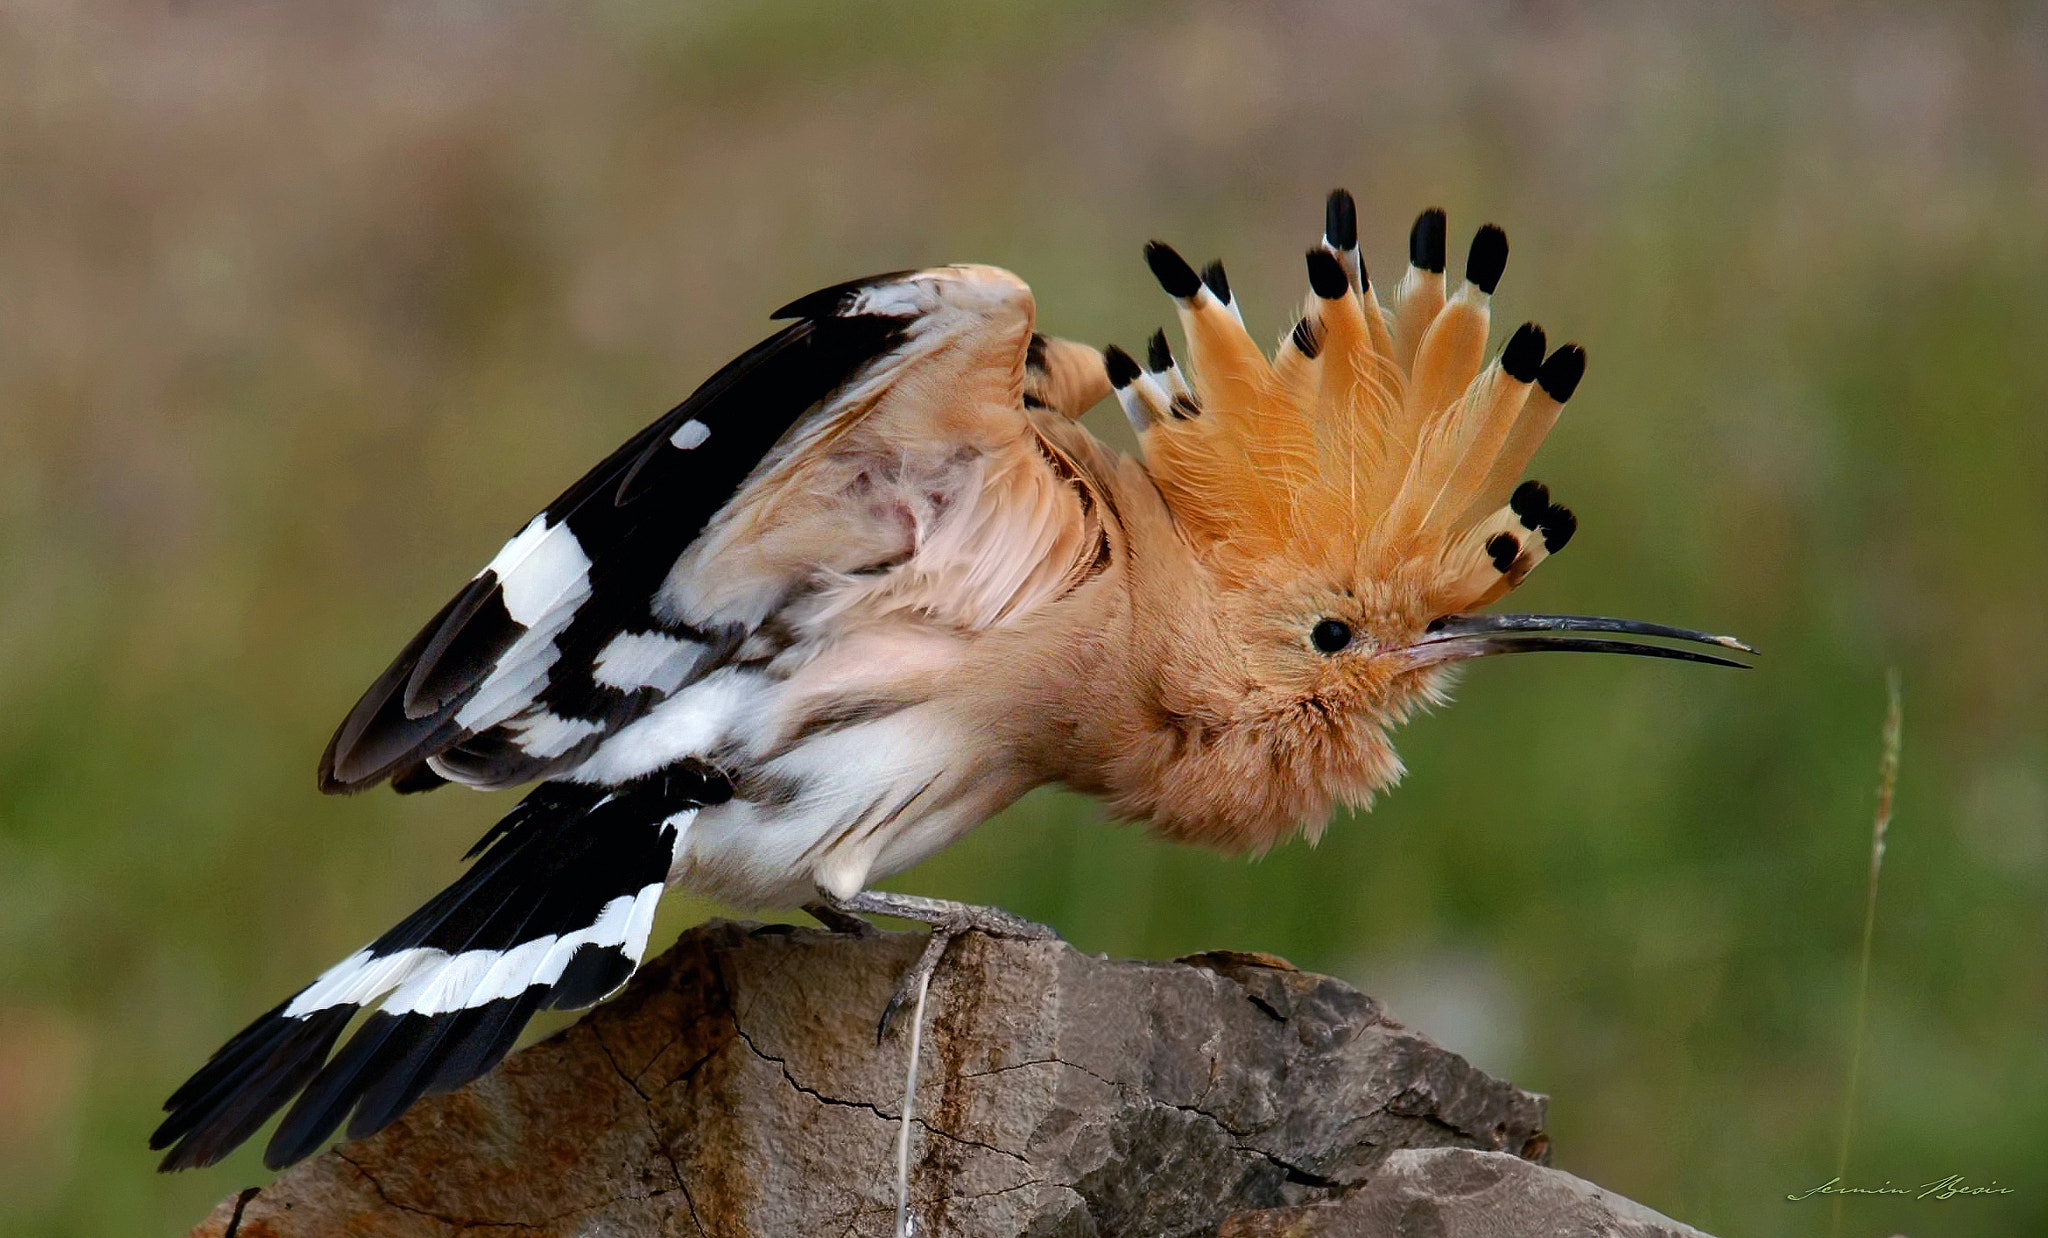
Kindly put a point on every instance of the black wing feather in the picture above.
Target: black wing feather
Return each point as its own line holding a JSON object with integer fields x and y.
{"x": 633, "y": 516}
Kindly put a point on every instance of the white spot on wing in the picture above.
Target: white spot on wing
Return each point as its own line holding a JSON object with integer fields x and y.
{"x": 547, "y": 734}
{"x": 646, "y": 660}
{"x": 690, "y": 434}
{"x": 897, "y": 300}
{"x": 542, "y": 589}
{"x": 688, "y": 724}
{"x": 514, "y": 552}
{"x": 553, "y": 571}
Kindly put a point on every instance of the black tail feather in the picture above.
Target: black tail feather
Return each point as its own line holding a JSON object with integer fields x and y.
{"x": 554, "y": 913}
{"x": 243, "y": 1084}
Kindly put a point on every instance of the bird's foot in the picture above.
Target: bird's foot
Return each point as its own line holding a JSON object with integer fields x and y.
{"x": 949, "y": 921}
{"x": 838, "y": 920}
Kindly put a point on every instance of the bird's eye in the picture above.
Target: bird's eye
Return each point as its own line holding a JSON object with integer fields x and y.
{"x": 1330, "y": 635}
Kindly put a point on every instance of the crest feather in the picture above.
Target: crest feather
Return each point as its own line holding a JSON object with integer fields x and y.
{"x": 1374, "y": 437}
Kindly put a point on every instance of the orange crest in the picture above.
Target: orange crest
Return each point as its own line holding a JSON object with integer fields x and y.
{"x": 1376, "y": 439}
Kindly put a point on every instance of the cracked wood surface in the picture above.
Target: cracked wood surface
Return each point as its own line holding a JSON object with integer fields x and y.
{"x": 735, "y": 1088}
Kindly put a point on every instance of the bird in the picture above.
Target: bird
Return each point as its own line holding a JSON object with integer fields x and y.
{"x": 873, "y": 581}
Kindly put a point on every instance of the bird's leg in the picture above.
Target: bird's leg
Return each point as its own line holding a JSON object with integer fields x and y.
{"x": 948, "y": 921}
{"x": 943, "y": 913}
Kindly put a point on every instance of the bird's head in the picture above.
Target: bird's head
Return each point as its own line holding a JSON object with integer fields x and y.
{"x": 1351, "y": 503}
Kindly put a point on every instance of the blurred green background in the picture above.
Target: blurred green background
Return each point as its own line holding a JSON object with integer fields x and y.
{"x": 304, "y": 308}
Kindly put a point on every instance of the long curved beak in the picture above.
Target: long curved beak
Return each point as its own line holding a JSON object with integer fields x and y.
{"x": 1456, "y": 638}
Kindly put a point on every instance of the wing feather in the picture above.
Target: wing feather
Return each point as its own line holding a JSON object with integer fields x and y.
{"x": 629, "y": 586}
{"x": 585, "y": 569}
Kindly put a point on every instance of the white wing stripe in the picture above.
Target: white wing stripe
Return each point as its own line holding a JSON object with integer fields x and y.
{"x": 361, "y": 977}
{"x": 475, "y": 977}
{"x": 553, "y": 572}
{"x": 423, "y": 980}
{"x": 456, "y": 982}
{"x": 512, "y": 685}
{"x": 548, "y": 734}
{"x": 647, "y": 660}
{"x": 514, "y": 552}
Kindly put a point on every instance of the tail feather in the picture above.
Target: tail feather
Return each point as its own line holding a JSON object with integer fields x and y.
{"x": 243, "y": 1084}
{"x": 360, "y": 1066}
{"x": 479, "y": 1039}
{"x": 554, "y": 914}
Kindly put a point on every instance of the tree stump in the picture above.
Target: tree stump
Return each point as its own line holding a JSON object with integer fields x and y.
{"x": 735, "y": 1090}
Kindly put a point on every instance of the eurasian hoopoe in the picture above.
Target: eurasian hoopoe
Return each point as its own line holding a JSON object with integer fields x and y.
{"x": 873, "y": 581}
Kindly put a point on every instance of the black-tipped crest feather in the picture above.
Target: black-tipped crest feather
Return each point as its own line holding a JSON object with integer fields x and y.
{"x": 1218, "y": 282}
{"x": 1326, "y": 275}
{"x": 1530, "y": 502}
{"x": 1122, "y": 367}
{"x": 1487, "y": 258}
{"x": 1340, "y": 220}
{"x": 1158, "y": 353}
{"x": 1558, "y": 526}
{"x": 1560, "y": 375}
{"x": 1523, "y": 357}
{"x": 1304, "y": 339}
{"x": 1426, "y": 240}
{"x": 1171, "y": 270}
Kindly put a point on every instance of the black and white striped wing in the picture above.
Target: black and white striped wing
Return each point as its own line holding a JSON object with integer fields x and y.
{"x": 560, "y": 640}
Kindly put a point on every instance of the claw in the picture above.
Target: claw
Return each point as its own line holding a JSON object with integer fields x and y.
{"x": 917, "y": 977}
{"x": 839, "y": 920}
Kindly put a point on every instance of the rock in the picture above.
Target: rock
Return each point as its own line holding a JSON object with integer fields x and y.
{"x": 1462, "y": 1193}
{"x": 735, "y": 1088}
